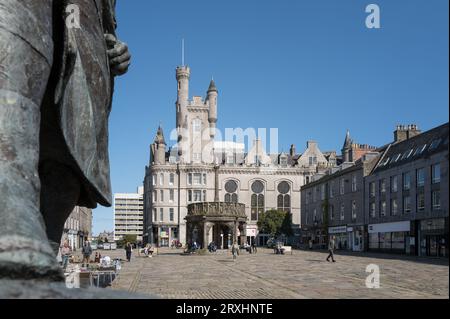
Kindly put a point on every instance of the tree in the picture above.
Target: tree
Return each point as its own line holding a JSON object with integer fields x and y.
{"x": 275, "y": 223}
{"x": 132, "y": 239}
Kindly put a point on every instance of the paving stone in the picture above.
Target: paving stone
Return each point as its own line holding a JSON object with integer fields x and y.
{"x": 304, "y": 274}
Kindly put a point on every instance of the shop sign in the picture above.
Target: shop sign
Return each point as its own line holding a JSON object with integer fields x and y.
{"x": 164, "y": 234}
{"x": 338, "y": 229}
{"x": 389, "y": 227}
{"x": 251, "y": 232}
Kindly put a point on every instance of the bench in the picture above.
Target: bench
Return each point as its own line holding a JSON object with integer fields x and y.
{"x": 287, "y": 249}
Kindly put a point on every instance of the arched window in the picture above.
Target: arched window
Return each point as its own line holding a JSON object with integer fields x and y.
{"x": 284, "y": 199}
{"x": 231, "y": 192}
{"x": 257, "y": 200}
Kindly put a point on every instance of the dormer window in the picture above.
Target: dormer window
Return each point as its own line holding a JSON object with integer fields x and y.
{"x": 435, "y": 144}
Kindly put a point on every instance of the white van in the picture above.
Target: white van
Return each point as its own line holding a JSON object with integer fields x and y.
{"x": 106, "y": 246}
{"x": 113, "y": 246}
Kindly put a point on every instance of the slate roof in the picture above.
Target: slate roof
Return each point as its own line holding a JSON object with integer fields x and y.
{"x": 419, "y": 146}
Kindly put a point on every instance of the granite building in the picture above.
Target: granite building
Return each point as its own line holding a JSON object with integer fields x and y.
{"x": 407, "y": 194}
{"x": 78, "y": 227}
{"x": 203, "y": 189}
{"x": 392, "y": 199}
{"x": 333, "y": 203}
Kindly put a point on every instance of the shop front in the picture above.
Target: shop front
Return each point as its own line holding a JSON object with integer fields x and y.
{"x": 391, "y": 238}
{"x": 356, "y": 237}
{"x": 433, "y": 234}
{"x": 251, "y": 234}
{"x": 164, "y": 236}
{"x": 341, "y": 235}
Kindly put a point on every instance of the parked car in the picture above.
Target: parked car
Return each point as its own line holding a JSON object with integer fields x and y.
{"x": 100, "y": 246}
{"x": 94, "y": 246}
{"x": 106, "y": 246}
{"x": 113, "y": 246}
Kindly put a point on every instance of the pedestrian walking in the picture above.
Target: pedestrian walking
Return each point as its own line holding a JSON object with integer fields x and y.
{"x": 65, "y": 254}
{"x": 87, "y": 252}
{"x": 254, "y": 249}
{"x": 331, "y": 246}
{"x": 235, "y": 251}
{"x": 128, "y": 251}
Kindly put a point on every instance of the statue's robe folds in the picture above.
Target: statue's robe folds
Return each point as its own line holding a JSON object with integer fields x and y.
{"x": 82, "y": 100}
{"x": 55, "y": 99}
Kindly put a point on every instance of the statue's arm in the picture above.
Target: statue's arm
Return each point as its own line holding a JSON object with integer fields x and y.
{"x": 118, "y": 52}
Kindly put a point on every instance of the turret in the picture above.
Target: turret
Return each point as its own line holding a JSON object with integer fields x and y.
{"x": 346, "y": 148}
{"x": 159, "y": 147}
{"x": 212, "y": 101}
{"x": 183, "y": 75}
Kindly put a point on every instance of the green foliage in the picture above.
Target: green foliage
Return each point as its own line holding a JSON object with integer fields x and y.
{"x": 127, "y": 238}
{"x": 275, "y": 223}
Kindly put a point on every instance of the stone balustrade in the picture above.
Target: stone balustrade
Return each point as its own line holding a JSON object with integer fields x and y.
{"x": 217, "y": 209}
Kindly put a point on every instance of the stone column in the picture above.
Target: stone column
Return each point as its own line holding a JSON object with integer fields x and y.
{"x": 216, "y": 184}
{"x": 159, "y": 236}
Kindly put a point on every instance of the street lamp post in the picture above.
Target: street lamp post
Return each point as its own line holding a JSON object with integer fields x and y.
{"x": 179, "y": 214}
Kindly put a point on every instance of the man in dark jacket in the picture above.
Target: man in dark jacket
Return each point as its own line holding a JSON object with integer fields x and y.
{"x": 331, "y": 246}
{"x": 56, "y": 86}
{"x": 87, "y": 252}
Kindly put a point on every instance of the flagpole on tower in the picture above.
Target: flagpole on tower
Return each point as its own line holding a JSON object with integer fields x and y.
{"x": 182, "y": 52}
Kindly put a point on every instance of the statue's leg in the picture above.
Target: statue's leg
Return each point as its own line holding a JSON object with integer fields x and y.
{"x": 59, "y": 195}
{"x": 26, "y": 53}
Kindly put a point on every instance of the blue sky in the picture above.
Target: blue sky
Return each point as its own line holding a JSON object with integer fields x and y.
{"x": 307, "y": 67}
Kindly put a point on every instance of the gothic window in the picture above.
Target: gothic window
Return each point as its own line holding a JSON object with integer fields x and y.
{"x": 284, "y": 199}
{"x": 231, "y": 189}
{"x": 257, "y": 200}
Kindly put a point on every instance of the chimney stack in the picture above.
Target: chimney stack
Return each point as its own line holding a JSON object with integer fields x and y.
{"x": 405, "y": 132}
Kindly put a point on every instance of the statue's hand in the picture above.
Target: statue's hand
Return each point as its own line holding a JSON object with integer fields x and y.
{"x": 119, "y": 56}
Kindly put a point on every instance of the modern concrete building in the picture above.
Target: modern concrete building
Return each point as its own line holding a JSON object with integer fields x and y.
{"x": 333, "y": 203}
{"x": 129, "y": 214}
{"x": 407, "y": 194}
{"x": 202, "y": 169}
{"x": 78, "y": 227}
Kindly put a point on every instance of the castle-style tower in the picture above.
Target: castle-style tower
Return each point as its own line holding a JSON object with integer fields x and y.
{"x": 183, "y": 74}
{"x": 211, "y": 100}
{"x": 158, "y": 148}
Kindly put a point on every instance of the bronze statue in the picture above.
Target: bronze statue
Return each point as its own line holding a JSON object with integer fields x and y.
{"x": 56, "y": 87}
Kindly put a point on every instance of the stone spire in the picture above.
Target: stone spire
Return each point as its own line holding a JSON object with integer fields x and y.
{"x": 348, "y": 140}
{"x": 159, "y": 138}
{"x": 347, "y": 148}
{"x": 212, "y": 87}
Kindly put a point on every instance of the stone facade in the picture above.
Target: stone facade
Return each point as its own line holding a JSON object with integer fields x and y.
{"x": 334, "y": 205}
{"x": 78, "y": 227}
{"x": 407, "y": 194}
{"x": 393, "y": 199}
{"x": 190, "y": 171}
